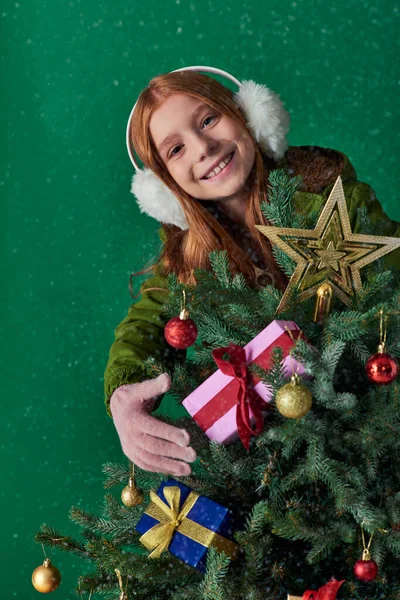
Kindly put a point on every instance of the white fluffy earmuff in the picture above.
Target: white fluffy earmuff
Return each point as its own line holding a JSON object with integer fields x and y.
{"x": 268, "y": 123}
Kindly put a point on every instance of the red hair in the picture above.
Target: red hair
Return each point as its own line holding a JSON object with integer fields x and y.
{"x": 187, "y": 250}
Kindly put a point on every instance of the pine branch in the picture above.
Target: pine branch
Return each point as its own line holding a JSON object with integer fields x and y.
{"x": 117, "y": 474}
{"x": 217, "y": 568}
{"x": 51, "y": 537}
{"x": 220, "y": 265}
{"x": 326, "y": 543}
{"x": 373, "y": 290}
{"x": 285, "y": 262}
{"x": 280, "y": 210}
{"x": 269, "y": 298}
{"x": 217, "y": 333}
{"x": 185, "y": 379}
{"x": 365, "y": 222}
{"x": 258, "y": 518}
{"x": 242, "y": 315}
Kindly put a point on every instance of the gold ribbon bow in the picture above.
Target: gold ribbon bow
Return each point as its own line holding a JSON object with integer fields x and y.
{"x": 171, "y": 519}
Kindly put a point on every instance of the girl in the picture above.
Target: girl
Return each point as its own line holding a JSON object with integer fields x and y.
{"x": 208, "y": 154}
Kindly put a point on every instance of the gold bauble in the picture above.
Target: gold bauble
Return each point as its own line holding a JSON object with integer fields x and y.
{"x": 294, "y": 399}
{"x": 132, "y": 495}
{"x": 46, "y": 578}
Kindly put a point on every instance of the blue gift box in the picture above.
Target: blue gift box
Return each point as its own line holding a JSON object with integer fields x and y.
{"x": 205, "y": 512}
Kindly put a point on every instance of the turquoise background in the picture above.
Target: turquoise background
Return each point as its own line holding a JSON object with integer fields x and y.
{"x": 71, "y": 231}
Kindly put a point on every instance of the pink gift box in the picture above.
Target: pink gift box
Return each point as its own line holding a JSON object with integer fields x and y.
{"x": 213, "y": 404}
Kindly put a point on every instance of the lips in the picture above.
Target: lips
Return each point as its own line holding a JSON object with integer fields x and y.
{"x": 217, "y": 163}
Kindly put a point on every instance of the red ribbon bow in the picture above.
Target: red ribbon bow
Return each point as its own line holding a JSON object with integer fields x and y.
{"x": 247, "y": 398}
{"x": 327, "y": 592}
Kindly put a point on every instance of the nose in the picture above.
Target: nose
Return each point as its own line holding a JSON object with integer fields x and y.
{"x": 205, "y": 146}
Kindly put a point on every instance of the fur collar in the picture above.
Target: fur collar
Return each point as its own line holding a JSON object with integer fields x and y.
{"x": 318, "y": 167}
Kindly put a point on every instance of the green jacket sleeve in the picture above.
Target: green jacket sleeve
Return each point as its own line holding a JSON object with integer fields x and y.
{"x": 140, "y": 335}
{"x": 364, "y": 195}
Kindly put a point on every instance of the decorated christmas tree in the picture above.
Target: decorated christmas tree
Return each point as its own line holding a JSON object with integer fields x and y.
{"x": 295, "y": 417}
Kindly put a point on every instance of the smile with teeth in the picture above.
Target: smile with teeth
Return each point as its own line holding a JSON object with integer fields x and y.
{"x": 220, "y": 167}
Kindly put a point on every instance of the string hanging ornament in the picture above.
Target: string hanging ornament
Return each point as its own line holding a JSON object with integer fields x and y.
{"x": 293, "y": 400}
{"x": 181, "y": 332}
{"x": 366, "y": 568}
{"x": 382, "y": 368}
{"x": 46, "y": 578}
{"x": 132, "y": 495}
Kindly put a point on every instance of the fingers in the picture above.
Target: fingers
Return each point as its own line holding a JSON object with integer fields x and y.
{"x": 138, "y": 396}
{"x": 163, "y": 448}
{"x": 164, "y": 431}
{"x": 158, "y": 464}
{"x": 145, "y": 466}
{"x": 148, "y": 442}
{"x": 151, "y": 388}
{"x": 139, "y": 462}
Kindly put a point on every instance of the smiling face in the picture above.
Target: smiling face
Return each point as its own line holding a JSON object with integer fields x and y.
{"x": 207, "y": 153}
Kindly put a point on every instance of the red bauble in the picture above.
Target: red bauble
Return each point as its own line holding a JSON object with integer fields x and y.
{"x": 381, "y": 368}
{"x": 366, "y": 570}
{"x": 181, "y": 332}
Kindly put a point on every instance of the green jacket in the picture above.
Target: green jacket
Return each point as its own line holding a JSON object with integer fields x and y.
{"x": 141, "y": 333}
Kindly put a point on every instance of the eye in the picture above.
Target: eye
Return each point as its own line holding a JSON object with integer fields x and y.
{"x": 208, "y": 120}
{"x": 175, "y": 150}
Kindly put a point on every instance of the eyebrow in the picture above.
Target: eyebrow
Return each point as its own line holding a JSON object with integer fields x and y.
{"x": 174, "y": 136}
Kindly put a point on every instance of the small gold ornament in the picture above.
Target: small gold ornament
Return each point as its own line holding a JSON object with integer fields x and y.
{"x": 294, "y": 399}
{"x": 123, "y": 595}
{"x": 46, "y": 578}
{"x": 132, "y": 495}
{"x": 323, "y": 304}
{"x": 331, "y": 253}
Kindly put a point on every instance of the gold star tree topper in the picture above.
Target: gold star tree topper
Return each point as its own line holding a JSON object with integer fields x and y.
{"x": 329, "y": 254}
